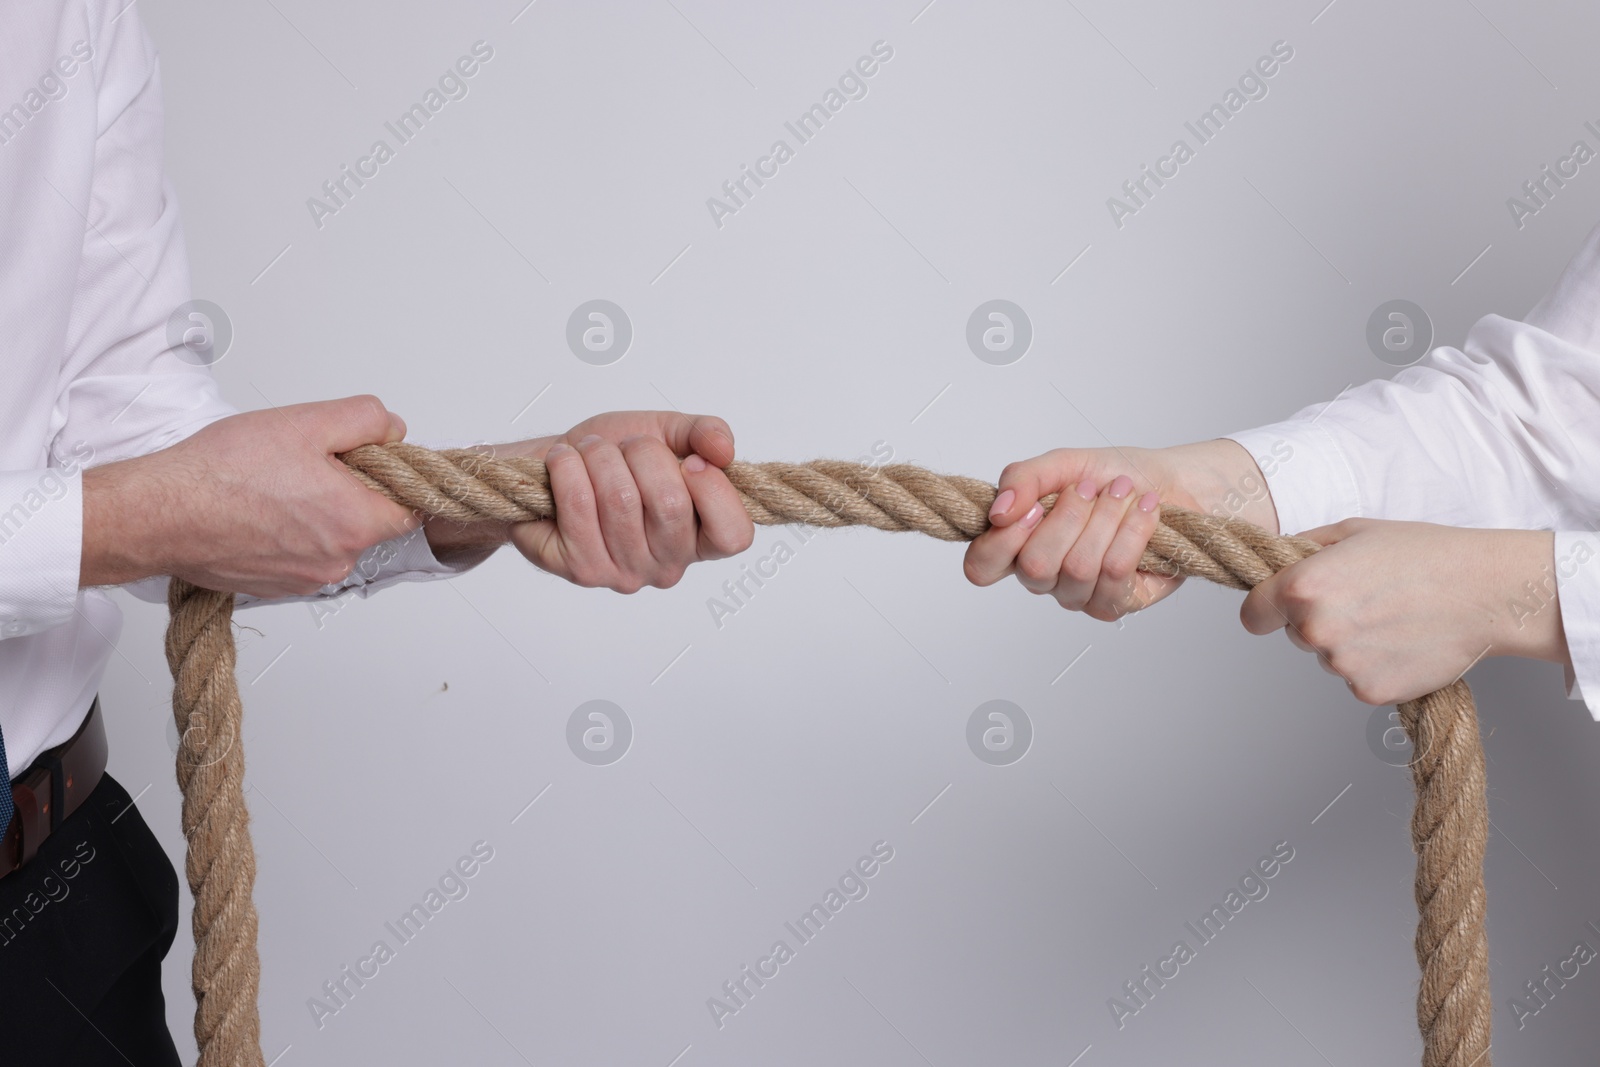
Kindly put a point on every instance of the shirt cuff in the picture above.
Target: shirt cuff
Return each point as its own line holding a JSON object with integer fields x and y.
{"x": 41, "y": 548}
{"x": 1310, "y": 479}
{"x": 408, "y": 558}
{"x": 1578, "y": 590}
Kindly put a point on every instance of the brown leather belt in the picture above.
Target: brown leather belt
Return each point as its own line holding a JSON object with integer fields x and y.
{"x": 53, "y": 788}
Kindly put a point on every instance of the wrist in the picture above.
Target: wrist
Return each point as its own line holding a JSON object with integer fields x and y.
{"x": 1224, "y": 480}
{"x": 532, "y": 448}
{"x": 119, "y": 544}
{"x": 1523, "y": 602}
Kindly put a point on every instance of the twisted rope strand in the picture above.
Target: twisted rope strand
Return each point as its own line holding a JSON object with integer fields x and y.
{"x": 221, "y": 862}
{"x": 1449, "y": 827}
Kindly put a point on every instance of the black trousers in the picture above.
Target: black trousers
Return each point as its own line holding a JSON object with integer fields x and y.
{"x": 83, "y": 930}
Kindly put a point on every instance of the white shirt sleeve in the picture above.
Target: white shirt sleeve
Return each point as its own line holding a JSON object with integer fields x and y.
{"x": 41, "y": 529}
{"x": 123, "y": 387}
{"x": 1501, "y": 432}
{"x": 94, "y": 267}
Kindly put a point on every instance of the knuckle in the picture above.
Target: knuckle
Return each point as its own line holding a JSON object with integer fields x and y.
{"x": 1101, "y": 612}
{"x": 1118, "y": 565}
{"x": 622, "y": 497}
{"x": 673, "y": 507}
{"x": 1314, "y": 632}
{"x": 1121, "y": 596}
{"x": 1080, "y": 568}
{"x": 975, "y": 574}
{"x": 1073, "y": 601}
{"x": 1035, "y": 568}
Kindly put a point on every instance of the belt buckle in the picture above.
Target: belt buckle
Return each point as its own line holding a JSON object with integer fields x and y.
{"x": 35, "y": 819}
{"x": 40, "y": 795}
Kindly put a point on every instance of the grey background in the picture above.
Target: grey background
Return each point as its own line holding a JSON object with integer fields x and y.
{"x": 826, "y": 316}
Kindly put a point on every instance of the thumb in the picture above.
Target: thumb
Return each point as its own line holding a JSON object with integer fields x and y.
{"x": 540, "y": 543}
{"x": 1024, "y": 483}
{"x": 705, "y": 435}
{"x": 1149, "y": 588}
{"x": 340, "y": 425}
{"x": 1260, "y": 612}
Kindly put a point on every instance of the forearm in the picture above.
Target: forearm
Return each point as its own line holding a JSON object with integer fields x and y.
{"x": 123, "y": 513}
{"x": 1525, "y": 611}
{"x": 1499, "y": 584}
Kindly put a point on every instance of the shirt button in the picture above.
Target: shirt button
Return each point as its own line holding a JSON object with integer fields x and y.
{"x": 13, "y": 628}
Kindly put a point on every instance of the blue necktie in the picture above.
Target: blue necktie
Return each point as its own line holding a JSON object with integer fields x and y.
{"x": 5, "y": 794}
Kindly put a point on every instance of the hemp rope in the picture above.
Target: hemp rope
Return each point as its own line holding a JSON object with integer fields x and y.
{"x": 1449, "y": 826}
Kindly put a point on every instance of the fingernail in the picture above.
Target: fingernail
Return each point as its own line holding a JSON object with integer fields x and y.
{"x": 1149, "y": 501}
{"x": 1121, "y": 486}
{"x": 1031, "y": 519}
{"x": 694, "y": 463}
{"x": 588, "y": 440}
{"x": 1087, "y": 489}
{"x": 1001, "y": 503}
{"x": 556, "y": 450}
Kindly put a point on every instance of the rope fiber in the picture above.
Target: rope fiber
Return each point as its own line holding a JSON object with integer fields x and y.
{"x": 1449, "y": 826}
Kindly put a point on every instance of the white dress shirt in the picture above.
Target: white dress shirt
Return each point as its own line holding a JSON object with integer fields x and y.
{"x": 92, "y": 264}
{"x": 1501, "y": 432}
